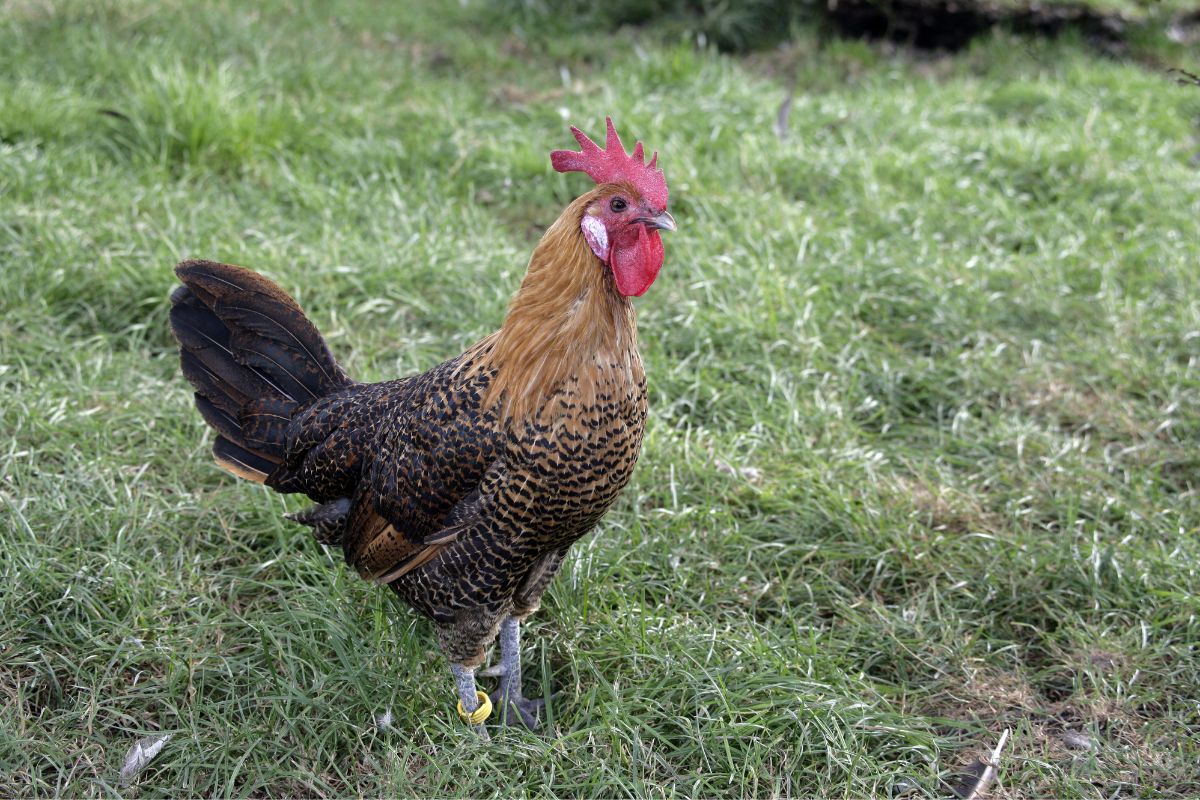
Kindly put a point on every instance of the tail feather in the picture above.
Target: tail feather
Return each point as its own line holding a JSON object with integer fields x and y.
{"x": 271, "y": 357}
{"x": 240, "y": 461}
{"x": 264, "y": 320}
{"x": 219, "y": 419}
{"x": 253, "y": 358}
{"x": 218, "y": 378}
{"x": 268, "y": 329}
{"x": 207, "y": 356}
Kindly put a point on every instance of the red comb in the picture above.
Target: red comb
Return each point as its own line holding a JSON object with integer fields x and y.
{"x": 614, "y": 165}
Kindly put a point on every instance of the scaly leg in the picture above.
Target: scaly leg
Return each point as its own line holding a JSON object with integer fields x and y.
{"x": 464, "y": 679}
{"x": 508, "y": 699}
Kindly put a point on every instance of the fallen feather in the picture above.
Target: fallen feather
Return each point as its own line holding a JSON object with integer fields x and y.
{"x": 141, "y": 754}
{"x": 974, "y": 787}
{"x": 752, "y": 474}
{"x": 1077, "y": 741}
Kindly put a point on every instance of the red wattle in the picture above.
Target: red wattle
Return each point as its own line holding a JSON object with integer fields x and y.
{"x": 635, "y": 264}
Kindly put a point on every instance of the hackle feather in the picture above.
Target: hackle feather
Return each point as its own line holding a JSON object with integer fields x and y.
{"x": 567, "y": 316}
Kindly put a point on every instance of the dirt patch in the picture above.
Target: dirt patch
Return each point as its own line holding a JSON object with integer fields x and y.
{"x": 1096, "y": 416}
{"x": 1072, "y": 409}
{"x": 945, "y": 509}
{"x": 1102, "y": 737}
{"x": 1078, "y": 409}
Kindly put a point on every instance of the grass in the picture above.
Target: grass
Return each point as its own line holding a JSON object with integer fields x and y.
{"x": 922, "y": 461}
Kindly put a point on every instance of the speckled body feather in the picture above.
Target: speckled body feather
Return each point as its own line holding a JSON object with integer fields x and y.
{"x": 461, "y": 487}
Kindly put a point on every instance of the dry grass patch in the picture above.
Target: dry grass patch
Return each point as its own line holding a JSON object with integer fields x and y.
{"x": 942, "y": 508}
{"x": 1079, "y": 409}
{"x": 1109, "y": 743}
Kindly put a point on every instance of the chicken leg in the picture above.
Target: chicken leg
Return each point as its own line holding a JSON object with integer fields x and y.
{"x": 464, "y": 679}
{"x": 508, "y": 700}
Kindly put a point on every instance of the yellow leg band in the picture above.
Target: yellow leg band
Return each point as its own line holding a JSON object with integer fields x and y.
{"x": 479, "y": 715}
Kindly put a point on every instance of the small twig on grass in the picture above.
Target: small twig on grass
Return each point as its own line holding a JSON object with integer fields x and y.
{"x": 1186, "y": 79}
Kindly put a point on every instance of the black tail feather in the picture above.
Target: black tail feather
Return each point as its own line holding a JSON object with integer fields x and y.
{"x": 262, "y": 318}
{"x": 267, "y": 357}
{"x": 240, "y": 461}
{"x": 219, "y": 419}
{"x": 253, "y": 358}
{"x": 297, "y": 356}
{"x": 209, "y": 379}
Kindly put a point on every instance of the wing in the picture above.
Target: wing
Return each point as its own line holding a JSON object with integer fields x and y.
{"x": 382, "y": 552}
{"x": 415, "y": 457}
{"x": 441, "y": 458}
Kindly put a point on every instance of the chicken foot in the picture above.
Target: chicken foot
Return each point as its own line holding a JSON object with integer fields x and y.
{"x": 508, "y": 699}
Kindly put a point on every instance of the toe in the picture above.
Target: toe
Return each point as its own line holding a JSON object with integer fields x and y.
{"x": 529, "y": 713}
{"x": 517, "y": 710}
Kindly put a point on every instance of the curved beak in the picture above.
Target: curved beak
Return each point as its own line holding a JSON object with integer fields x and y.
{"x": 662, "y": 222}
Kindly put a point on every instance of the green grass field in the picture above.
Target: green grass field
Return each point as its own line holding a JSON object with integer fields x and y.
{"x": 924, "y": 447}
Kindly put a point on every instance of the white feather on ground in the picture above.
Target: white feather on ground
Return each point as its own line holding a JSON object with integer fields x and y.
{"x": 142, "y": 752}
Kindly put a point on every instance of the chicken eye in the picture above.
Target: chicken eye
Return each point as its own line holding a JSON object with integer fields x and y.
{"x": 618, "y": 204}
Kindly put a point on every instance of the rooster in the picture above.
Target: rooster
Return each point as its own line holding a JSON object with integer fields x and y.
{"x": 461, "y": 488}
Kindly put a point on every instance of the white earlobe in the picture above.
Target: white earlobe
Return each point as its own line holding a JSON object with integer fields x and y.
{"x": 596, "y": 235}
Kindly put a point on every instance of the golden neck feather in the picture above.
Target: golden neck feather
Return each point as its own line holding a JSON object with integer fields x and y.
{"x": 566, "y": 321}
